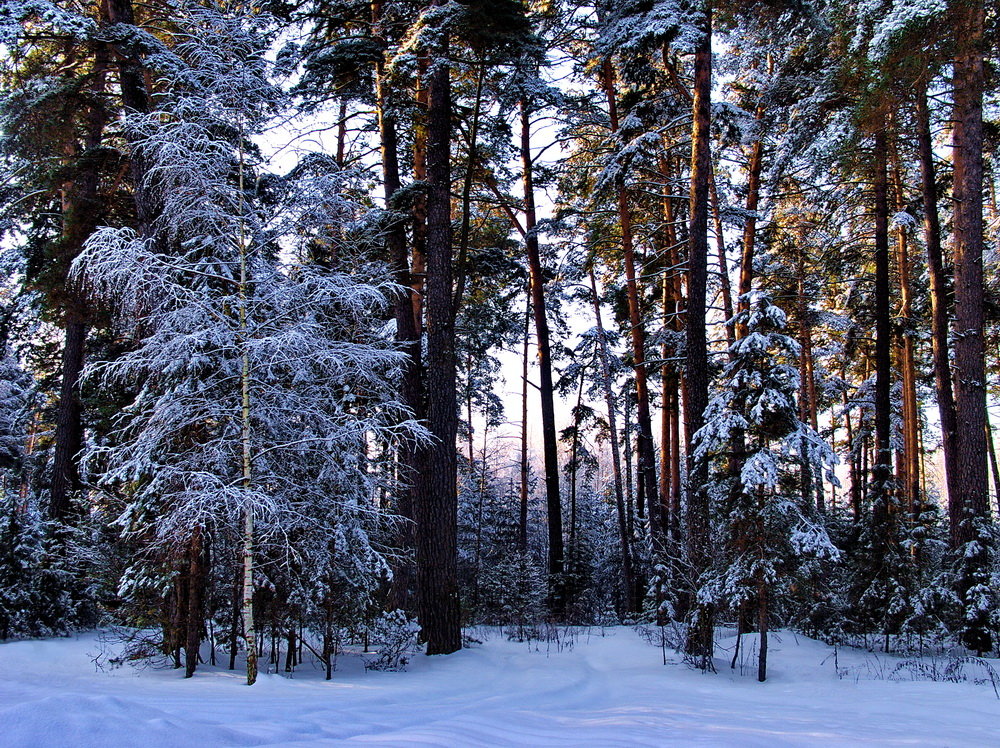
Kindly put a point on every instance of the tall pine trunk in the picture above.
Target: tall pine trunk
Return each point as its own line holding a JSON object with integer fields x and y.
{"x": 632, "y": 595}
{"x": 910, "y": 473}
{"x": 82, "y": 210}
{"x": 939, "y": 292}
{"x": 748, "y": 246}
{"x": 437, "y": 512}
{"x": 700, "y": 637}
{"x": 69, "y": 420}
{"x": 407, "y": 330}
{"x": 882, "y": 465}
{"x": 522, "y": 489}
{"x": 646, "y": 489}
{"x": 545, "y": 386}
{"x": 970, "y": 504}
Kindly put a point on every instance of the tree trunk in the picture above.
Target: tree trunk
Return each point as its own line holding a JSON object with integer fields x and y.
{"x": 418, "y": 266}
{"x": 882, "y": 467}
{"x": 910, "y": 474}
{"x": 234, "y": 627}
{"x": 669, "y": 379}
{"x": 195, "y": 618}
{"x": 82, "y": 210}
{"x": 249, "y": 632}
{"x": 628, "y": 564}
{"x": 173, "y": 640}
{"x": 574, "y": 456}
{"x": 646, "y": 449}
{"x": 970, "y": 505}
{"x": 668, "y": 395}
{"x": 627, "y": 453}
{"x": 701, "y": 634}
{"x": 290, "y": 637}
{"x": 545, "y": 385}
{"x": 131, "y": 79}
{"x": 994, "y": 465}
{"x": 69, "y": 422}
{"x": 807, "y": 385}
{"x": 939, "y": 293}
{"x": 522, "y": 524}
{"x": 852, "y": 464}
{"x": 754, "y": 169}
{"x": 437, "y": 514}
{"x": 970, "y": 375}
{"x": 470, "y": 171}
{"x": 720, "y": 247}
{"x": 762, "y": 613}
{"x": 407, "y": 331}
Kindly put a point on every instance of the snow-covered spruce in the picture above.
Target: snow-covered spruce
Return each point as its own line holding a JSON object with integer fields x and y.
{"x": 752, "y": 429}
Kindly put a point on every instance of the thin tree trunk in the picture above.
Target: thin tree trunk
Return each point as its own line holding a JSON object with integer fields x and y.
{"x": 575, "y": 469}
{"x": 754, "y": 169}
{"x": 234, "y": 627}
{"x": 939, "y": 292}
{"x": 195, "y": 619}
{"x": 807, "y": 392}
{"x": 852, "y": 464}
{"x": 676, "y": 417}
{"x": 669, "y": 383}
{"x": 910, "y": 475}
{"x": 882, "y": 467}
{"x": 174, "y": 634}
{"x": 481, "y": 498}
{"x": 627, "y": 453}
{"x": 646, "y": 467}
{"x": 341, "y": 133}
{"x": 290, "y": 654}
{"x": 994, "y": 465}
{"x": 762, "y": 613}
{"x": 625, "y": 535}
{"x": 522, "y": 525}
{"x": 470, "y": 171}
{"x": 249, "y": 632}
{"x": 556, "y": 556}
{"x": 720, "y": 247}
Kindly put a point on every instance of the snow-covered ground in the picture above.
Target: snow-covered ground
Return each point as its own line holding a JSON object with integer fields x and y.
{"x": 609, "y": 690}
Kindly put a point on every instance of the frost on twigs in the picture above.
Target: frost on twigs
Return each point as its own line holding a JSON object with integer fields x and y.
{"x": 395, "y": 637}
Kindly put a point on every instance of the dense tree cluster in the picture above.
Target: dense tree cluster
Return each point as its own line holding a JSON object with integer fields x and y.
{"x": 268, "y": 265}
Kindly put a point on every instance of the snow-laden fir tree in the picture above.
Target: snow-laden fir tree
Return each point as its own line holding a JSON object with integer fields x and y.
{"x": 770, "y": 528}
{"x": 260, "y": 379}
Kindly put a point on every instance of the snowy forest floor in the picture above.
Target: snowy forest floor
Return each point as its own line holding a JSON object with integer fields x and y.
{"x": 600, "y": 688}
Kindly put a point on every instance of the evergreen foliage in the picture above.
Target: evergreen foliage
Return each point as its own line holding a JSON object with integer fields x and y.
{"x": 255, "y": 256}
